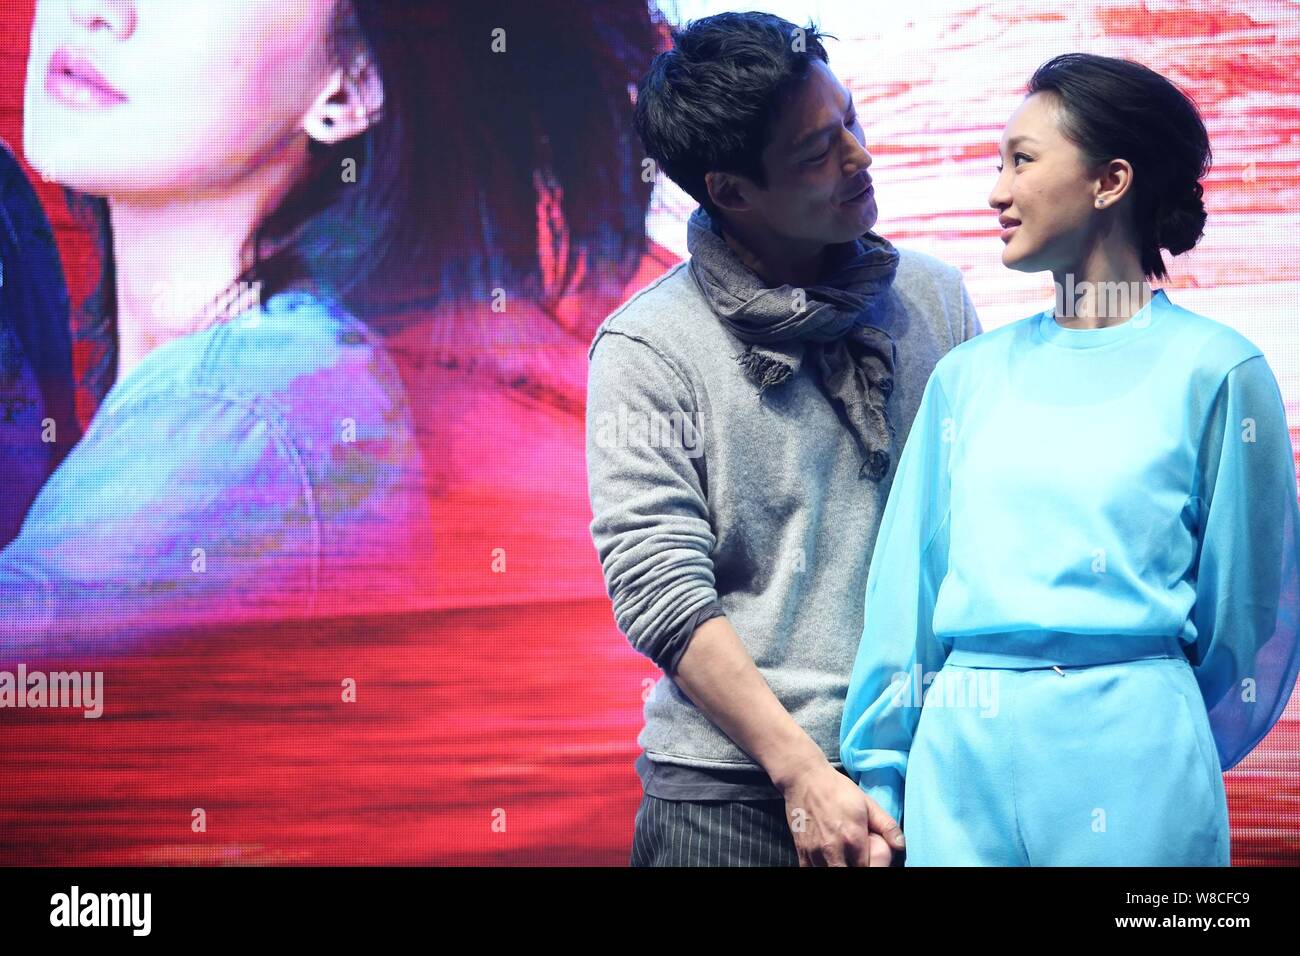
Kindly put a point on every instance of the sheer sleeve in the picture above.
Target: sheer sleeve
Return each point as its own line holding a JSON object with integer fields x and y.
{"x": 898, "y": 645}
{"x": 1245, "y": 651}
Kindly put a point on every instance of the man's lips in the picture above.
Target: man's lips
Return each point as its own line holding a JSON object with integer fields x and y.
{"x": 1009, "y": 227}
{"x": 867, "y": 190}
{"x": 74, "y": 80}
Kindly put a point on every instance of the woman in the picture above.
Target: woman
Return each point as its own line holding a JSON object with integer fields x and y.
{"x": 1082, "y": 604}
{"x": 495, "y": 221}
{"x": 252, "y": 457}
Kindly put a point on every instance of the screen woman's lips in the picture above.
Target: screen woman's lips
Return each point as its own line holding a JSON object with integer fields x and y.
{"x": 74, "y": 81}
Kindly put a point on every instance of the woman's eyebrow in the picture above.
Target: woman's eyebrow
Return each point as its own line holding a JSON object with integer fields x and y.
{"x": 1017, "y": 140}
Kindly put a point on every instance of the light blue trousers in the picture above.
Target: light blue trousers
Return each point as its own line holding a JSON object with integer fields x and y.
{"x": 1108, "y": 764}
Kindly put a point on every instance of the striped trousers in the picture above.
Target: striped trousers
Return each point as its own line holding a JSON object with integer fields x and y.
{"x": 712, "y": 833}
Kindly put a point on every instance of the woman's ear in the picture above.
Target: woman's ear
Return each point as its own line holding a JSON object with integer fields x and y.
{"x": 352, "y": 102}
{"x": 1114, "y": 183}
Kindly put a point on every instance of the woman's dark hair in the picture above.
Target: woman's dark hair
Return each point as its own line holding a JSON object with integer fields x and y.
{"x": 492, "y": 113}
{"x": 709, "y": 103}
{"x": 1118, "y": 109}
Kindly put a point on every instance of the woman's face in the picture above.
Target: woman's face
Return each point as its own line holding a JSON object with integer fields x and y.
{"x": 1046, "y": 191}
{"x": 191, "y": 94}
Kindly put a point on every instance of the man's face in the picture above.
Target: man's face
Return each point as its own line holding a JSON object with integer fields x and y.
{"x": 818, "y": 189}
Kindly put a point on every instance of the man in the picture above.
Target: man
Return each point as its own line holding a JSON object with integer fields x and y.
{"x": 37, "y": 422}
{"x": 746, "y": 413}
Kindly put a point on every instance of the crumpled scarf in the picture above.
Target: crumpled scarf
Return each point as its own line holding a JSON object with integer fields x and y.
{"x": 853, "y": 360}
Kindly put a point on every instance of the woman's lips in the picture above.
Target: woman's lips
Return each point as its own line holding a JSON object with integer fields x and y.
{"x": 73, "y": 80}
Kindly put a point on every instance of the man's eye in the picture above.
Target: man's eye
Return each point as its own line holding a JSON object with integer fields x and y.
{"x": 818, "y": 158}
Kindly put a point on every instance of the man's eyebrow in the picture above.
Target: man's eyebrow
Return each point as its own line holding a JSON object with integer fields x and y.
{"x": 805, "y": 141}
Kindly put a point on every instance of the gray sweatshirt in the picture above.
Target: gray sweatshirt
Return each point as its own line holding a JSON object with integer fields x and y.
{"x": 708, "y": 498}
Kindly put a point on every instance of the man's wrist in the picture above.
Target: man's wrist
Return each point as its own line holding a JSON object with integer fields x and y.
{"x": 795, "y": 764}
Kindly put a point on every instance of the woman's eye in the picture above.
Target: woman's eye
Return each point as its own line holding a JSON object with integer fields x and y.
{"x": 1015, "y": 161}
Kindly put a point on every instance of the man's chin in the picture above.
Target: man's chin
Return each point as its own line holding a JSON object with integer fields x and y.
{"x": 867, "y": 221}
{"x": 855, "y": 228}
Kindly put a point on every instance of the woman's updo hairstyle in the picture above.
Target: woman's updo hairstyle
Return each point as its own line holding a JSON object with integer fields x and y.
{"x": 1118, "y": 109}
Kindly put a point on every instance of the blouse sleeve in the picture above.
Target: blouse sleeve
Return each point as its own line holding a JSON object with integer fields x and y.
{"x": 185, "y": 509}
{"x": 1247, "y": 578}
{"x": 898, "y": 646}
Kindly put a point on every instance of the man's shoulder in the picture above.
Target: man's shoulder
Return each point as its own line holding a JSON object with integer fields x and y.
{"x": 928, "y": 307}
{"x": 669, "y": 315}
{"x": 917, "y": 266}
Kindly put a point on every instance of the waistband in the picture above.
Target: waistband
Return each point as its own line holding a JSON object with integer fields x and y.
{"x": 1030, "y": 649}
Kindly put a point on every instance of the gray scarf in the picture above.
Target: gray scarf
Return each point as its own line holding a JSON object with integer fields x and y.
{"x": 853, "y": 360}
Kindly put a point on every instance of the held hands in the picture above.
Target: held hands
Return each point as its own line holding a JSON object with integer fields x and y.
{"x": 835, "y": 824}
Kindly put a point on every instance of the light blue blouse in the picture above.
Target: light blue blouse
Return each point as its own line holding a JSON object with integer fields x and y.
{"x": 262, "y": 469}
{"x": 1065, "y": 487}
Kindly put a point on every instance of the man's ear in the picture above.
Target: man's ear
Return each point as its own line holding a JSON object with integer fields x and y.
{"x": 351, "y": 102}
{"x": 729, "y": 191}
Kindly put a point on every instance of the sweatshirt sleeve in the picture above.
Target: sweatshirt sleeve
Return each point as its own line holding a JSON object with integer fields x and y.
{"x": 1248, "y": 565}
{"x": 183, "y": 509}
{"x": 651, "y": 523}
{"x": 898, "y": 646}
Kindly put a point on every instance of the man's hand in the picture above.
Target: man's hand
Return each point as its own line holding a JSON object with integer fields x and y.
{"x": 835, "y": 824}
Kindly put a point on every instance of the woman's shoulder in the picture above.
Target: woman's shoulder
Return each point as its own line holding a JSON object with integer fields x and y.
{"x": 1209, "y": 346}
{"x": 299, "y": 363}
{"x": 296, "y": 340}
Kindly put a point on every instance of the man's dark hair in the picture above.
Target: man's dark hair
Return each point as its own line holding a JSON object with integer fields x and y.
{"x": 709, "y": 104}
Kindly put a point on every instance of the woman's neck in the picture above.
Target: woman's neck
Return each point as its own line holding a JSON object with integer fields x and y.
{"x": 1106, "y": 287}
{"x": 173, "y": 255}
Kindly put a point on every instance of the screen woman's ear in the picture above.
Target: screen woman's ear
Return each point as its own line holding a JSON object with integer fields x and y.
{"x": 352, "y": 102}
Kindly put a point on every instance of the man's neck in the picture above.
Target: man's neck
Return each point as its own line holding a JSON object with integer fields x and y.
{"x": 778, "y": 262}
